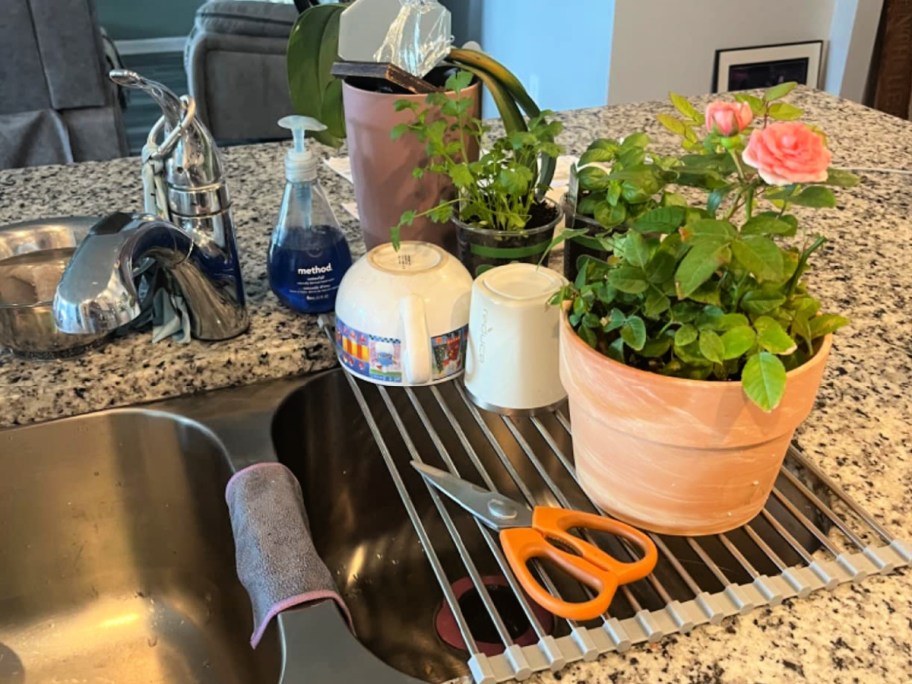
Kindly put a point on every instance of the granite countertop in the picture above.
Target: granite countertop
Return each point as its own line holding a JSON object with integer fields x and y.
{"x": 860, "y": 432}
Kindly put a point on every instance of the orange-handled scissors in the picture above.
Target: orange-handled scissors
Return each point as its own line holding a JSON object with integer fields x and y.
{"x": 526, "y": 533}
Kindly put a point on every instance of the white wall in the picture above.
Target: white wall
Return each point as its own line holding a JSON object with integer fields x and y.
{"x": 559, "y": 49}
{"x": 585, "y": 53}
{"x": 662, "y": 45}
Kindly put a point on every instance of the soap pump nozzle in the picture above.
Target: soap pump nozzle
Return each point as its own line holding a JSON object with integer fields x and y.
{"x": 300, "y": 163}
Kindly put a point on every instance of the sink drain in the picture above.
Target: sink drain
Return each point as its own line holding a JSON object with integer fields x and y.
{"x": 479, "y": 621}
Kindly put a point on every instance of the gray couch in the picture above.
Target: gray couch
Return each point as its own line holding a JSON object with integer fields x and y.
{"x": 56, "y": 105}
{"x": 235, "y": 63}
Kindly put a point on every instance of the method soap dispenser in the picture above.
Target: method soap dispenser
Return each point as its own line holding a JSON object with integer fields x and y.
{"x": 308, "y": 254}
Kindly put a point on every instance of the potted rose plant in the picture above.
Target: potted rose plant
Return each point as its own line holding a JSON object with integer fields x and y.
{"x": 499, "y": 204}
{"x": 691, "y": 354}
{"x": 357, "y": 111}
{"x": 599, "y": 206}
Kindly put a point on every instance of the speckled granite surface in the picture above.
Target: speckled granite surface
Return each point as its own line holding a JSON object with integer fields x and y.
{"x": 860, "y": 432}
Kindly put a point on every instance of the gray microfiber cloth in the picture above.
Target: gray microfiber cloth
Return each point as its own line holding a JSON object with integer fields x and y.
{"x": 276, "y": 559}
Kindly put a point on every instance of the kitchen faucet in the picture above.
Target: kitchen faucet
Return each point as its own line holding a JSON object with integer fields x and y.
{"x": 186, "y": 229}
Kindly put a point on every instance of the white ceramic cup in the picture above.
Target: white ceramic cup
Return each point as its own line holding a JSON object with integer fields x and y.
{"x": 512, "y": 357}
{"x": 402, "y": 317}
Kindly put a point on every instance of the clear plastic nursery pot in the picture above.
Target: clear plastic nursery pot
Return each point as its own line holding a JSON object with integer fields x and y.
{"x": 677, "y": 456}
{"x": 481, "y": 249}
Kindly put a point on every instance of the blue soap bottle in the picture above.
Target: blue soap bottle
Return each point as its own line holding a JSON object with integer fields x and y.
{"x": 308, "y": 254}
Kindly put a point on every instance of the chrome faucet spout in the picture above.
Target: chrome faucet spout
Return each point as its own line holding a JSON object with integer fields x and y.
{"x": 98, "y": 292}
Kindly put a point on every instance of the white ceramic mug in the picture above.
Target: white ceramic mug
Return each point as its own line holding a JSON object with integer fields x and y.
{"x": 402, "y": 317}
{"x": 512, "y": 357}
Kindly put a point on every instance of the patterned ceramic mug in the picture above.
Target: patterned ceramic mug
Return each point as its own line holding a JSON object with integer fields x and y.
{"x": 402, "y": 317}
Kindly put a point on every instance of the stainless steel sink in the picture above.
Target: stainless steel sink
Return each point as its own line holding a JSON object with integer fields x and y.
{"x": 117, "y": 559}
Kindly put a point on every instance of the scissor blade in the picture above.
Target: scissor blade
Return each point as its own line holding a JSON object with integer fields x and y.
{"x": 495, "y": 510}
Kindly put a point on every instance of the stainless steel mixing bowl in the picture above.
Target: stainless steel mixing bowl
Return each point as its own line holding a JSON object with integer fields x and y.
{"x": 33, "y": 255}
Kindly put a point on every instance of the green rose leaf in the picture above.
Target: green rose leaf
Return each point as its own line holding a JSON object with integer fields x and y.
{"x": 656, "y": 303}
{"x": 685, "y": 335}
{"x": 615, "y": 320}
{"x": 773, "y": 337}
{"x": 777, "y": 92}
{"x": 672, "y": 123}
{"x": 711, "y": 346}
{"x": 764, "y": 380}
{"x": 634, "y": 333}
{"x": 661, "y": 267}
{"x": 815, "y": 196}
{"x": 826, "y": 323}
{"x": 737, "y": 341}
{"x": 656, "y": 348}
{"x": 699, "y": 265}
{"x": 783, "y": 111}
{"x": 682, "y": 104}
{"x": 636, "y": 250}
{"x": 763, "y": 301}
{"x": 661, "y": 220}
{"x": 628, "y": 279}
{"x": 731, "y": 320}
{"x": 755, "y": 103}
{"x": 588, "y": 336}
{"x": 759, "y": 255}
{"x": 711, "y": 227}
{"x": 765, "y": 224}
{"x": 841, "y": 179}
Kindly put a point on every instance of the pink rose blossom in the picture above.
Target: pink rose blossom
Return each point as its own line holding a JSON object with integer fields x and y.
{"x": 728, "y": 118}
{"x": 788, "y": 152}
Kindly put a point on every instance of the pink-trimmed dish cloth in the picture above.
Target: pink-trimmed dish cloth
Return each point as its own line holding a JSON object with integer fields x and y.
{"x": 276, "y": 559}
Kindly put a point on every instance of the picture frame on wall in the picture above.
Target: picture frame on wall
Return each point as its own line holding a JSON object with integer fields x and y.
{"x": 766, "y": 65}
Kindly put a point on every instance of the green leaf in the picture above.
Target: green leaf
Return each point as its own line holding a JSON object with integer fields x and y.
{"x": 685, "y": 335}
{"x": 761, "y": 256}
{"x": 826, "y": 323}
{"x": 712, "y": 228}
{"x": 765, "y": 224}
{"x": 716, "y": 197}
{"x": 661, "y": 220}
{"x": 610, "y": 216}
{"x": 597, "y": 154}
{"x": 779, "y": 91}
{"x": 638, "y": 139}
{"x": 711, "y": 346}
{"x": 815, "y": 196}
{"x": 699, "y": 265}
{"x": 628, "y": 279}
{"x": 616, "y": 320}
{"x": 737, "y": 341}
{"x": 764, "y": 380}
{"x": 656, "y": 303}
{"x": 398, "y": 131}
{"x": 842, "y": 179}
{"x": 634, "y": 333}
{"x": 615, "y": 350}
{"x": 588, "y": 336}
{"x": 656, "y": 348}
{"x": 661, "y": 267}
{"x": 461, "y": 175}
{"x": 782, "y": 111}
{"x": 312, "y": 50}
{"x": 682, "y": 104}
{"x": 593, "y": 179}
{"x": 672, "y": 123}
{"x": 636, "y": 249}
{"x": 764, "y": 300}
{"x": 731, "y": 320}
{"x": 755, "y": 103}
{"x": 773, "y": 337}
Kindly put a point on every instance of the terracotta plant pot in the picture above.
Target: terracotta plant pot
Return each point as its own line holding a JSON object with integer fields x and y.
{"x": 481, "y": 249}
{"x": 677, "y": 456}
{"x": 382, "y": 168}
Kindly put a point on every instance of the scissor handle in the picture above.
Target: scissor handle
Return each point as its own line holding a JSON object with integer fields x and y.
{"x": 593, "y": 567}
